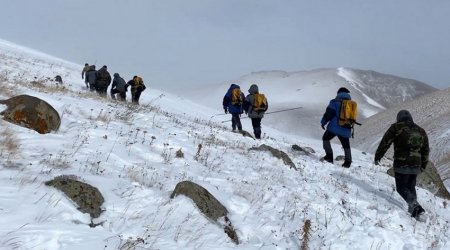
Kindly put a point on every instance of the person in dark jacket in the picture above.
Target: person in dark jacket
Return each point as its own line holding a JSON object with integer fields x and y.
{"x": 137, "y": 87}
{"x": 330, "y": 119}
{"x": 411, "y": 150}
{"x": 255, "y": 115}
{"x": 119, "y": 86}
{"x": 83, "y": 72}
{"x": 91, "y": 77}
{"x": 103, "y": 80}
{"x": 234, "y": 107}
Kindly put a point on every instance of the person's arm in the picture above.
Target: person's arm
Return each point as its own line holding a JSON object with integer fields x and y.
{"x": 385, "y": 143}
{"x": 330, "y": 112}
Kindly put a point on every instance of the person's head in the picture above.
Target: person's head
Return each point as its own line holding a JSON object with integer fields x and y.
{"x": 343, "y": 90}
{"x": 105, "y": 67}
{"x": 253, "y": 89}
{"x": 134, "y": 77}
{"x": 403, "y": 116}
{"x": 92, "y": 67}
{"x": 116, "y": 74}
{"x": 86, "y": 64}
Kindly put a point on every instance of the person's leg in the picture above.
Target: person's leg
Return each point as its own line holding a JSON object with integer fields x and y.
{"x": 406, "y": 187}
{"x": 137, "y": 96}
{"x": 238, "y": 122}
{"x": 326, "y": 138}
{"x": 233, "y": 121}
{"x": 347, "y": 151}
{"x": 256, "y": 124}
{"x": 123, "y": 96}
{"x": 113, "y": 93}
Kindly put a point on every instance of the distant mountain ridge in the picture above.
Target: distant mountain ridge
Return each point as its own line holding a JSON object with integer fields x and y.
{"x": 312, "y": 90}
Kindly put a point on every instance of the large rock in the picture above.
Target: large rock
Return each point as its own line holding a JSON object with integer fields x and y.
{"x": 88, "y": 198}
{"x": 31, "y": 112}
{"x": 277, "y": 153}
{"x": 207, "y": 204}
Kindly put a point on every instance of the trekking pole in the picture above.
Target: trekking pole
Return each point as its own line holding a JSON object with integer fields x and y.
{"x": 268, "y": 113}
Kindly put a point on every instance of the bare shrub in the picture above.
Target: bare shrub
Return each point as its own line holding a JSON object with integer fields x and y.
{"x": 306, "y": 234}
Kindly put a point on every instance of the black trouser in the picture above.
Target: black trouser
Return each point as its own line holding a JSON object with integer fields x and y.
{"x": 256, "y": 124}
{"x": 122, "y": 95}
{"x": 101, "y": 91}
{"x": 406, "y": 187}
{"x": 135, "y": 96}
{"x": 326, "y": 138}
{"x": 236, "y": 121}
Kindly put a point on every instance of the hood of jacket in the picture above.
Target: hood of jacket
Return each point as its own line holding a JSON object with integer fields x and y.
{"x": 253, "y": 89}
{"x": 343, "y": 96}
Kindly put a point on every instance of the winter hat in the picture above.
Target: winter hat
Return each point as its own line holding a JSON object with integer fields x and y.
{"x": 404, "y": 115}
{"x": 116, "y": 74}
{"x": 104, "y": 66}
{"x": 343, "y": 89}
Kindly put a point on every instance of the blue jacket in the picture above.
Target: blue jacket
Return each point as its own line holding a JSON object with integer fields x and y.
{"x": 331, "y": 116}
{"x": 233, "y": 109}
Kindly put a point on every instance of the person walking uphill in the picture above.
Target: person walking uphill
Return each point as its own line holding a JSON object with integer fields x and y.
{"x": 255, "y": 105}
{"x": 411, "y": 151}
{"x": 232, "y": 103}
{"x": 91, "y": 77}
{"x": 103, "y": 80}
{"x": 83, "y": 72}
{"x": 119, "y": 86}
{"x": 331, "y": 120}
{"x": 137, "y": 87}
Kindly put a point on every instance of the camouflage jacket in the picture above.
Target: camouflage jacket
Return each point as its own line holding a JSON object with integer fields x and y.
{"x": 411, "y": 147}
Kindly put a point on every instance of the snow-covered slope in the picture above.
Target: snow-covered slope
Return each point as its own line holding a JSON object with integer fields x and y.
{"x": 431, "y": 111}
{"x": 128, "y": 153}
{"x": 312, "y": 90}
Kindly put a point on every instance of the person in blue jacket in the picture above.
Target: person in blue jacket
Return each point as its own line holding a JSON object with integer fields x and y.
{"x": 330, "y": 120}
{"x": 233, "y": 105}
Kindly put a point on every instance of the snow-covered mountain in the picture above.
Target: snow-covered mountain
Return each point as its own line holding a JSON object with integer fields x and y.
{"x": 128, "y": 153}
{"x": 312, "y": 90}
{"x": 431, "y": 111}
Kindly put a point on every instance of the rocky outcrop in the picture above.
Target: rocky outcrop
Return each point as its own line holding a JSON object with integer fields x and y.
{"x": 207, "y": 204}
{"x": 277, "y": 153}
{"x": 31, "y": 112}
{"x": 88, "y": 198}
{"x": 303, "y": 150}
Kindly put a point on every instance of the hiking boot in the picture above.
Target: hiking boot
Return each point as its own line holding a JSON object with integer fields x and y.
{"x": 346, "y": 164}
{"x": 328, "y": 158}
{"x": 417, "y": 211}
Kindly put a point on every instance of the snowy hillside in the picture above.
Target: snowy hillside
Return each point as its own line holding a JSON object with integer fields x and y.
{"x": 431, "y": 111}
{"x": 312, "y": 90}
{"x": 128, "y": 153}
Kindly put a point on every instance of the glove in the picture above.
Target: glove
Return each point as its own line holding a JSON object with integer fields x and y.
{"x": 226, "y": 110}
{"x": 377, "y": 162}
{"x": 323, "y": 126}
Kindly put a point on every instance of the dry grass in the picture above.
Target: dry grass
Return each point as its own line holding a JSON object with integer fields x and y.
{"x": 9, "y": 143}
{"x": 306, "y": 234}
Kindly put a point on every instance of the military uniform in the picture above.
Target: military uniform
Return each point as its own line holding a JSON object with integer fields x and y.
{"x": 411, "y": 150}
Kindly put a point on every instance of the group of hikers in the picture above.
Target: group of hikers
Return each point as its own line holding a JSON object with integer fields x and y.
{"x": 411, "y": 147}
{"x": 99, "y": 81}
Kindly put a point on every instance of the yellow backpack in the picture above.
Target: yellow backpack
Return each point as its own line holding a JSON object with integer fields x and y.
{"x": 138, "y": 81}
{"x": 259, "y": 103}
{"x": 236, "y": 97}
{"x": 348, "y": 113}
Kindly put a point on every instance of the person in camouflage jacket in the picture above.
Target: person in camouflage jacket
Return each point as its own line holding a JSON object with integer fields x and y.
{"x": 411, "y": 150}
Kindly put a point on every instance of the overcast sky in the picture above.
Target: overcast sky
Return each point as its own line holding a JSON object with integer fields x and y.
{"x": 183, "y": 42}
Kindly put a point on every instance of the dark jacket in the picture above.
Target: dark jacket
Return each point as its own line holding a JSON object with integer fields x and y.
{"x": 119, "y": 83}
{"x": 248, "y": 103}
{"x": 233, "y": 109}
{"x": 411, "y": 148}
{"x": 331, "y": 116}
{"x": 91, "y": 75}
{"x": 103, "y": 78}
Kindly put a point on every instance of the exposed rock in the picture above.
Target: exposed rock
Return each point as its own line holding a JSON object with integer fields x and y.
{"x": 340, "y": 158}
{"x": 88, "y": 198}
{"x": 31, "y": 112}
{"x": 246, "y": 134}
{"x": 430, "y": 180}
{"x": 277, "y": 153}
{"x": 304, "y": 150}
{"x": 207, "y": 204}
